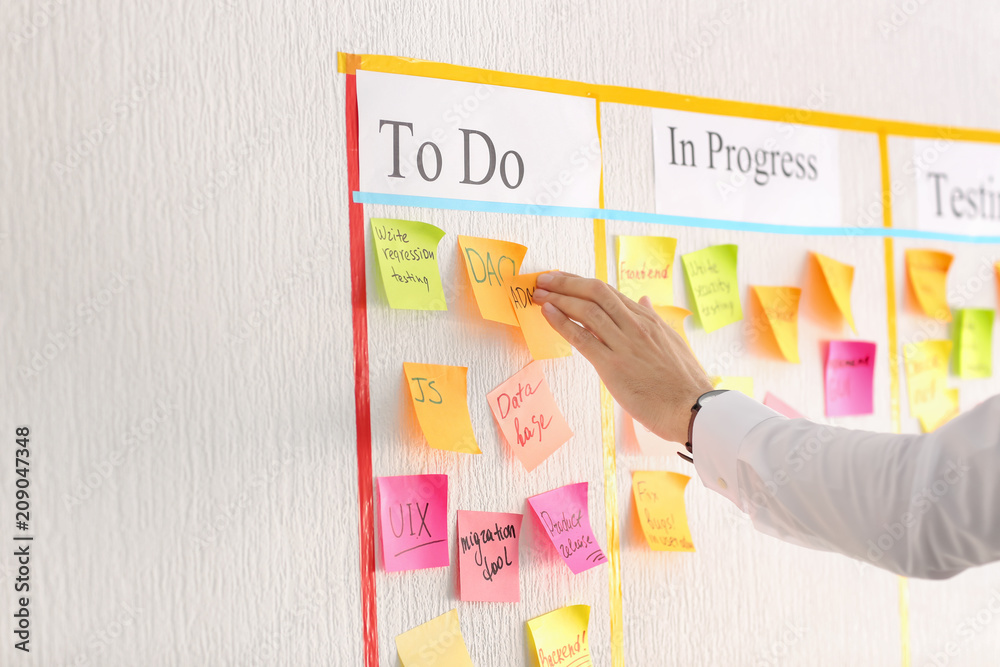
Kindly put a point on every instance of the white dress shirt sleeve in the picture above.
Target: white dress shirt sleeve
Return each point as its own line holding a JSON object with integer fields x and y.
{"x": 918, "y": 505}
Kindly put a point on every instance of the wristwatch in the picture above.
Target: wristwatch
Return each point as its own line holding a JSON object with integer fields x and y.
{"x": 702, "y": 400}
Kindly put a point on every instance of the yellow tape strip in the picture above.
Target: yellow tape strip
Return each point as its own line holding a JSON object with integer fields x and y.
{"x": 350, "y": 63}
{"x": 610, "y": 459}
{"x": 890, "y": 289}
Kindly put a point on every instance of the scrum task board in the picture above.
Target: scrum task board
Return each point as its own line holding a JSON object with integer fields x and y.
{"x": 566, "y": 170}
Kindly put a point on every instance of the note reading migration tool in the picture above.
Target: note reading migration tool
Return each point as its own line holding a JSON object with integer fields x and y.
{"x": 488, "y": 562}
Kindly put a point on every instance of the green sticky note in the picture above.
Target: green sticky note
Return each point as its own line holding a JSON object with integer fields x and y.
{"x": 711, "y": 284}
{"x": 973, "y": 334}
{"x": 406, "y": 257}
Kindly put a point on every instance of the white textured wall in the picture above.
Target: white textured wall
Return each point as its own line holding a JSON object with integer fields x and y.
{"x": 173, "y": 228}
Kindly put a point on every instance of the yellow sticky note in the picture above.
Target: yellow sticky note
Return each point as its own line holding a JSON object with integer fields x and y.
{"x": 560, "y": 638}
{"x": 973, "y": 334}
{"x": 744, "y": 384}
{"x": 711, "y": 281}
{"x": 440, "y": 399}
{"x": 490, "y": 264}
{"x": 839, "y": 279}
{"x": 436, "y": 643}
{"x": 543, "y": 341}
{"x": 781, "y": 310}
{"x": 941, "y": 411}
{"x": 926, "y": 365}
{"x": 659, "y": 500}
{"x": 406, "y": 257}
{"x": 646, "y": 268}
{"x": 674, "y": 317}
{"x": 927, "y": 271}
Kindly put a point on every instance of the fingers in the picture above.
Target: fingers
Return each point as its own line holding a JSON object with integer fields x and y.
{"x": 590, "y": 315}
{"x": 588, "y": 289}
{"x": 584, "y": 341}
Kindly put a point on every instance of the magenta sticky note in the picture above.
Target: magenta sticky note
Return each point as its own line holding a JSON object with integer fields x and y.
{"x": 850, "y": 371}
{"x": 488, "y": 556}
{"x": 778, "y": 405}
{"x": 565, "y": 519}
{"x": 413, "y": 521}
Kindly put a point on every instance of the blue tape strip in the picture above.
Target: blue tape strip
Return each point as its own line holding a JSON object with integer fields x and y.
{"x": 656, "y": 218}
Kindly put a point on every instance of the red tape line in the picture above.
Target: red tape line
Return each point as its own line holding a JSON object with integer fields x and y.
{"x": 362, "y": 396}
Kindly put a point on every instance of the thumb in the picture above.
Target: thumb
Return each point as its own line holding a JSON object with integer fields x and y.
{"x": 646, "y": 302}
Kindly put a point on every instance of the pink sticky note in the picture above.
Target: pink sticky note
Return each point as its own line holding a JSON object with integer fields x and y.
{"x": 565, "y": 519}
{"x": 850, "y": 370}
{"x": 528, "y": 416}
{"x": 413, "y": 519}
{"x": 488, "y": 556}
{"x": 651, "y": 444}
{"x": 778, "y": 405}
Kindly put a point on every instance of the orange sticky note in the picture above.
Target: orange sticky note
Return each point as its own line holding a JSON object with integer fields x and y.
{"x": 781, "y": 310}
{"x": 839, "y": 279}
{"x": 527, "y": 414}
{"x": 674, "y": 317}
{"x": 927, "y": 271}
{"x": 737, "y": 383}
{"x": 436, "y": 643}
{"x": 490, "y": 264}
{"x": 659, "y": 500}
{"x": 543, "y": 341}
{"x": 559, "y": 638}
{"x": 440, "y": 398}
{"x": 646, "y": 267}
{"x": 940, "y": 412}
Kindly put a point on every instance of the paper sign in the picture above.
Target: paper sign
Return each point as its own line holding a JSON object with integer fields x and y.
{"x": 431, "y": 137}
{"x": 957, "y": 183}
{"x": 651, "y": 444}
{"x": 674, "y": 317}
{"x": 436, "y": 643}
{"x": 490, "y": 264}
{"x": 974, "y": 342}
{"x": 730, "y": 168}
{"x": 659, "y": 500}
{"x": 527, "y": 414}
{"x": 565, "y": 519}
{"x": 646, "y": 268}
{"x": 781, "y": 312}
{"x": 926, "y": 365}
{"x": 941, "y": 412}
{"x": 839, "y": 278}
{"x": 778, "y": 405}
{"x": 413, "y": 514}
{"x": 488, "y": 556}
{"x": 559, "y": 638}
{"x": 543, "y": 341}
{"x": 711, "y": 281}
{"x": 440, "y": 399}
{"x": 850, "y": 371}
{"x": 406, "y": 257}
{"x": 737, "y": 383}
{"x": 927, "y": 271}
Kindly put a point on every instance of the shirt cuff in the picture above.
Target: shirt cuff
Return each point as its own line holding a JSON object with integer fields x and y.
{"x": 719, "y": 429}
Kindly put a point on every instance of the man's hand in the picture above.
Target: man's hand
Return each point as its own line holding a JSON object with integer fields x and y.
{"x": 644, "y": 363}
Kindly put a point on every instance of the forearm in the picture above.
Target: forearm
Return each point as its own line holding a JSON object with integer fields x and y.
{"x": 922, "y": 506}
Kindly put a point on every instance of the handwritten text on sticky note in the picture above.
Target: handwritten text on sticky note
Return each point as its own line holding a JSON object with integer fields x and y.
{"x": 646, "y": 268}
{"x": 927, "y": 271}
{"x": 441, "y": 402}
{"x": 488, "y": 556}
{"x": 406, "y": 256}
{"x": 543, "y": 341}
{"x": 659, "y": 501}
{"x": 780, "y": 306}
{"x": 436, "y": 643}
{"x": 413, "y": 518}
{"x": 926, "y": 364}
{"x": 565, "y": 519}
{"x": 490, "y": 264}
{"x": 711, "y": 279}
{"x": 527, "y": 414}
{"x": 850, "y": 371}
{"x": 559, "y": 638}
{"x": 974, "y": 342}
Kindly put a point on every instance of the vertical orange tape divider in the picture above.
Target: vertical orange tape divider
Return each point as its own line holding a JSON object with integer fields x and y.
{"x": 610, "y": 461}
{"x": 362, "y": 397}
{"x": 890, "y": 289}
